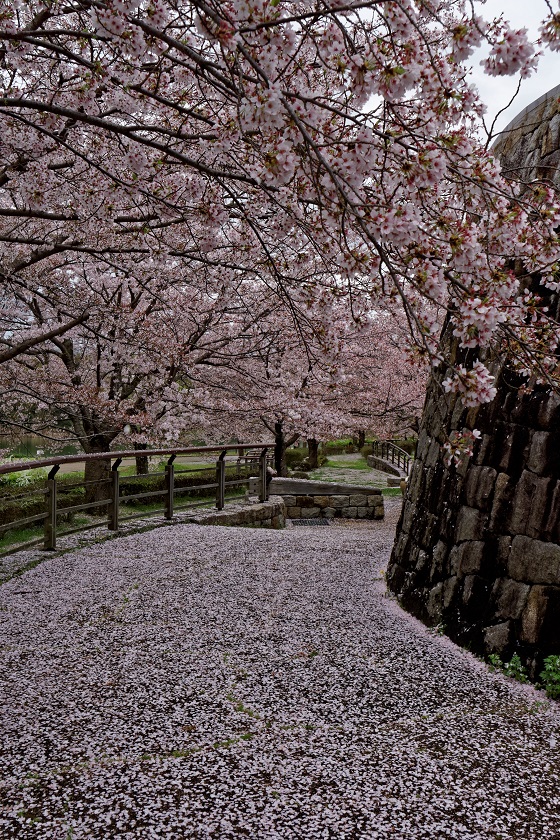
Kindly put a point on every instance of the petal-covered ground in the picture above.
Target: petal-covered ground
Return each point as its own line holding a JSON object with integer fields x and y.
{"x": 207, "y": 682}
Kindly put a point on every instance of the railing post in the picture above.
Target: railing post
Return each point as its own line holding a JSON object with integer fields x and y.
{"x": 263, "y": 484}
{"x": 221, "y": 481}
{"x": 50, "y": 519}
{"x": 169, "y": 486}
{"x": 113, "y": 524}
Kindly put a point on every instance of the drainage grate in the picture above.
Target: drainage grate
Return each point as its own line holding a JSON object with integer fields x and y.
{"x": 310, "y": 521}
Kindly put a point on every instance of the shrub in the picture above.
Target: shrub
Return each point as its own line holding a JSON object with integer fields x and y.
{"x": 550, "y": 677}
{"x": 295, "y": 457}
{"x": 366, "y": 450}
{"x": 514, "y": 668}
{"x": 408, "y": 444}
{"x": 336, "y": 447}
{"x": 24, "y": 478}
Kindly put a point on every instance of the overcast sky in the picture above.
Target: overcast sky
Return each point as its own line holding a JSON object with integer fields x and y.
{"x": 495, "y": 90}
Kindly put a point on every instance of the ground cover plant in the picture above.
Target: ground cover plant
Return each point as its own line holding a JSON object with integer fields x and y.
{"x": 550, "y": 676}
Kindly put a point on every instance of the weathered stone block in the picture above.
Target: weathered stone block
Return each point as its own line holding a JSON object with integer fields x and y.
{"x": 305, "y": 487}
{"x": 422, "y": 445}
{"x": 358, "y": 500}
{"x": 329, "y": 513}
{"x": 476, "y": 596}
{"x": 539, "y": 459}
{"x": 363, "y": 512}
{"x": 481, "y": 449}
{"x": 549, "y": 411}
{"x": 428, "y": 530}
{"x": 498, "y": 637}
{"x": 470, "y": 524}
{"x": 552, "y": 526}
{"x": 503, "y": 552}
{"x": 372, "y": 501}
{"x": 433, "y": 454}
{"x": 349, "y": 512}
{"x": 530, "y": 505}
{"x": 339, "y": 501}
{"x": 415, "y": 481}
{"x": 465, "y": 559}
{"x": 504, "y": 490}
{"x": 290, "y": 501}
{"x": 294, "y": 512}
{"x": 439, "y": 557}
{"x": 310, "y": 512}
{"x": 305, "y": 501}
{"x": 434, "y": 603}
{"x": 533, "y": 615}
{"x": 379, "y": 512}
{"x": 468, "y": 587}
{"x": 401, "y": 547}
{"x": 534, "y": 561}
{"x": 512, "y": 597}
{"x": 512, "y": 444}
{"x": 322, "y": 501}
{"x": 421, "y": 561}
{"x": 479, "y": 487}
{"x": 396, "y": 577}
{"x": 450, "y": 588}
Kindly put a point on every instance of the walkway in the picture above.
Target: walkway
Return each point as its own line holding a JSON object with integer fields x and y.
{"x": 204, "y": 682}
{"x": 350, "y": 475}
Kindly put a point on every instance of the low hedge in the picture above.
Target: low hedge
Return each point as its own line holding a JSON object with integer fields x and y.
{"x": 295, "y": 458}
{"x": 131, "y": 485}
{"x": 13, "y": 507}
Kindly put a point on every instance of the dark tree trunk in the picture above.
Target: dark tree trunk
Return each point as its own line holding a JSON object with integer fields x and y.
{"x": 279, "y": 449}
{"x": 361, "y": 439}
{"x": 142, "y": 464}
{"x": 98, "y": 472}
{"x": 313, "y": 449}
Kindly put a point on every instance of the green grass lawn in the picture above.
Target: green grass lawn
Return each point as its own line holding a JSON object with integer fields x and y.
{"x": 360, "y": 464}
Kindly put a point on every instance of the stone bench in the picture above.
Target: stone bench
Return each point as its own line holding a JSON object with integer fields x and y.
{"x": 313, "y": 499}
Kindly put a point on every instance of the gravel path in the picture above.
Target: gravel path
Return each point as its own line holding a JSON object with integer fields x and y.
{"x": 206, "y": 682}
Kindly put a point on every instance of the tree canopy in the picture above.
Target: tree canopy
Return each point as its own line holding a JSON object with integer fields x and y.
{"x": 178, "y": 177}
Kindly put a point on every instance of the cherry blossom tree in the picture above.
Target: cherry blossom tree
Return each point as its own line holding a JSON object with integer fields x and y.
{"x": 286, "y": 381}
{"x": 125, "y": 372}
{"x": 330, "y": 149}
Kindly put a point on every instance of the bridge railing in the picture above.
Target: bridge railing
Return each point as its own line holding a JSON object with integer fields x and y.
{"x": 390, "y": 452}
{"x": 231, "y": 468}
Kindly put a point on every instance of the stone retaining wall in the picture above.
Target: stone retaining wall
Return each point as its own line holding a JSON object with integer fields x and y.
{"x": 477, "y": 547}
{"x": 313, "y": 499}
{"x": 270, "y": 514}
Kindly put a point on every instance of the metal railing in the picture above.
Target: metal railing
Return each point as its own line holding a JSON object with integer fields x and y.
{"x": 389, "y": 452}
{"x": 244, "y": 460}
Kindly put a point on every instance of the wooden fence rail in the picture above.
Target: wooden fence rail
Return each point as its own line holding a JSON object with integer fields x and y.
{"x": 248, "y": 459}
